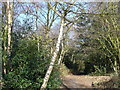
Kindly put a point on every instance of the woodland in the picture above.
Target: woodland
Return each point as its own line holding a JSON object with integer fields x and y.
{"x": 41, "y": 42}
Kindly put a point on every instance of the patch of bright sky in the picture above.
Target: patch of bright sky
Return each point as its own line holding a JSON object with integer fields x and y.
{"x": 23, "y": 16}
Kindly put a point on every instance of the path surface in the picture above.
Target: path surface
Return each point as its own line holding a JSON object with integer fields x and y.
{"x": 82, "y": 81}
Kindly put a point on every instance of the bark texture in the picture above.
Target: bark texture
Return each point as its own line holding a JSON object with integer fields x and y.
{"x": 48, "y": 73}
{"x": 9, "y": 28}
{"x": 61, "y": 55}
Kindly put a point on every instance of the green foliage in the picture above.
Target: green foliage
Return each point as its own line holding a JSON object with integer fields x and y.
{"x": 54, "y": 81}
{"x": 73, "y": 62}
{"x": 109, "y": 41}
{"x": 114, "y": 82}
{"x": 29, "y": 67}
{"x": 63, "y": 70}
{"x": 99, "y": 43}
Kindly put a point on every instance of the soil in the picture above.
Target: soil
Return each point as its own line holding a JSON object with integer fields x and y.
{"x": 83, "y": 81}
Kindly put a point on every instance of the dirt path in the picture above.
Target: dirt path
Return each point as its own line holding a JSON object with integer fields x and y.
{"x": 82, "y": 81}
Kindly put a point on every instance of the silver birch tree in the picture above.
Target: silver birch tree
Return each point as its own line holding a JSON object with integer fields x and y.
{"x": 62, "y": 17}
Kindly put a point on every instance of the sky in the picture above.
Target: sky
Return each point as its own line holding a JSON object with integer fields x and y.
{"x": 24, "y": 16}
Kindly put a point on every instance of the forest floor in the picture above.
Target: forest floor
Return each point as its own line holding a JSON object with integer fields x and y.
{"x": 83, "y": 81}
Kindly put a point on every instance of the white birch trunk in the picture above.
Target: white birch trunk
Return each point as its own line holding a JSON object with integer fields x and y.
{"x": 47, "y": 76}
{"x": 61, "y": 55}
{"x": 38, "y": 45}
{"x": 9, "y": 12}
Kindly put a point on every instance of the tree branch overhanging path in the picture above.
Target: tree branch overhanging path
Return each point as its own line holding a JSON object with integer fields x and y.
{"x": 49, "y": 71}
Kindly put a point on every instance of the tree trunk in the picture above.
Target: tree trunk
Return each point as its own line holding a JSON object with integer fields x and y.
{"x": 36, "y": 28}
{"x": 4, "y": 36}
{"x": 1, "y": 53}
{"x": 9, "y": 27}
{"x": 61, "y": 55}
{"x": 47, "y": 76}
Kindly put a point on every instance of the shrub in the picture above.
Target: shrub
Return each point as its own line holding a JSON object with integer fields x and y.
{"x": 29, "y": 67}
